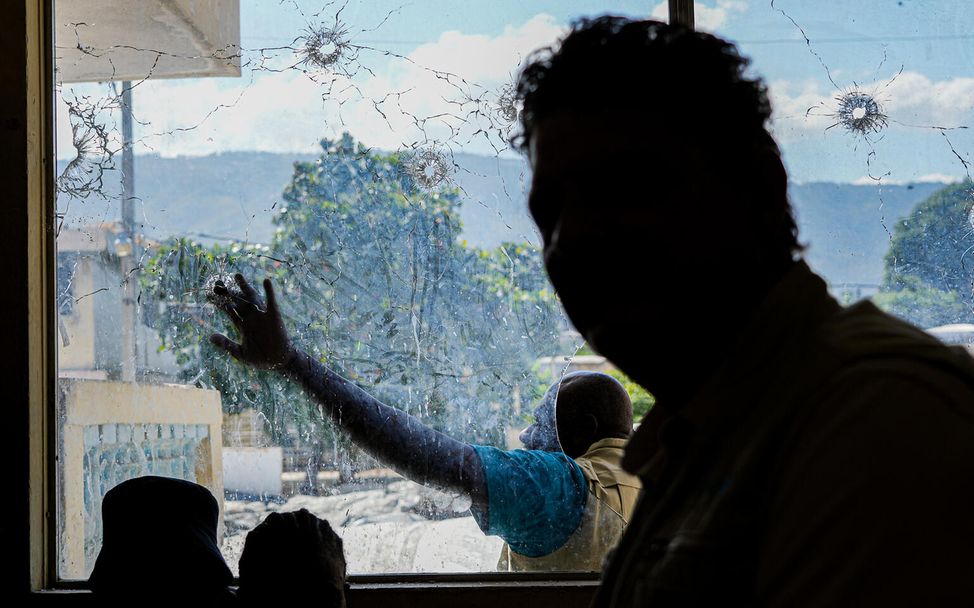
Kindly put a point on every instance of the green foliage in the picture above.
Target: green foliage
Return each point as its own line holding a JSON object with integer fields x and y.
{"x": 175, "y": 275}
{"x": 373, "y": 279}
{"x": 642, "y": 400}
{"x": 934, "y": 243}
{"x": 585, "y": 349}
{"x": 930, "y": 263}
{"x": 922, "y": 305}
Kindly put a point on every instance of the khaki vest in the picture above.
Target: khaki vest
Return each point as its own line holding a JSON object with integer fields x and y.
{"x": 611, "y": 499}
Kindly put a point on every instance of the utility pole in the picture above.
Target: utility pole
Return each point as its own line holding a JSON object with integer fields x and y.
{"x": 125, "y": 244}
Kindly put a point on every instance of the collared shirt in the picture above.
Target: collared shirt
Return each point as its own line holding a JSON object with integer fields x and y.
{"x": 829, "y": 461}
{"x": 556, "y": 513}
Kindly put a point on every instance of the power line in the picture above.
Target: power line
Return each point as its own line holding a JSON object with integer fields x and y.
{"x": 859, "y": 39}
{"x": 289, "y": 39}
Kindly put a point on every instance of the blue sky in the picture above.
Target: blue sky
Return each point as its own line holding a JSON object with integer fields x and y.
{"x": 864, "y": 44}
{"x": 420, "y": 20}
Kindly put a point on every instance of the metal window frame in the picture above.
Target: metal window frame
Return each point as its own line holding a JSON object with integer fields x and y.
{"x": 681, "y": 11}
{"x": 27, "y": 237}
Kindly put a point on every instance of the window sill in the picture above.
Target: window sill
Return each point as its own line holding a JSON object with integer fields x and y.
{"x": 488, "y": 591}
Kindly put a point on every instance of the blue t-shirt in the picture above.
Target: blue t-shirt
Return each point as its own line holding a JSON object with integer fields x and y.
{"x": 535, "y": 499}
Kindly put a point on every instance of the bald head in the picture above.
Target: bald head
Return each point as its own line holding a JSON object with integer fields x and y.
{"x": 580, "y": 409}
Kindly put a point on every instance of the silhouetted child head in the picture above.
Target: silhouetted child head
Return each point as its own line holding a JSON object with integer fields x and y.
{"x": 293, "y": 556}
{"x": 159, "y": 541}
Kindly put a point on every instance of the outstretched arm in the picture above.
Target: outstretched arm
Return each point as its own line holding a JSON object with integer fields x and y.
{"x": 388, "y": 434}
{"x": 391, "y": 436}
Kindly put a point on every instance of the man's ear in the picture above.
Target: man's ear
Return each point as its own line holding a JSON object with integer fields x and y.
{"x": 591, "y": 425}
{"x": 768, "y": 181}
{"x": 774, "y": 178}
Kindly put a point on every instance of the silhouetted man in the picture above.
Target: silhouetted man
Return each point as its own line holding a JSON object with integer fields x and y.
{"x": 555, "y": 509}
{"x": 800, "y": 453}
{"x": 159, "y": 544}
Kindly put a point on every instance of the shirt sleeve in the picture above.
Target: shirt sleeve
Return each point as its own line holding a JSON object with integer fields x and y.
{"x": 535, "y": 499}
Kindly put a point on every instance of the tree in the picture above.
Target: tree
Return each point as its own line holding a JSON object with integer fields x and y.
{"x": 922, "y": 305}
{"x": 930, "y": 263}
{"x": 642, "y": 400}
{"x": 376, "y": 282}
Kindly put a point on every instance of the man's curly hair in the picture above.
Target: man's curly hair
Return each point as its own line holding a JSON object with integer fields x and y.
{"x": 693, "y": 83}
{"x": 610, "y": 62}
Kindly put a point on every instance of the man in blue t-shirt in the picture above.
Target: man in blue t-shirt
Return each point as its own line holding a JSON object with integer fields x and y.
{"x": 535, "y": 499}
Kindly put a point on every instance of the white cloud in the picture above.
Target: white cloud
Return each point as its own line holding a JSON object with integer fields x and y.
{"x": 939, "y": 178}
{"x": 478, "y": 67}
{"x": 287, "y": 111}
{"x": 481, "y": 58}
{"x": 797, "y": 108}
{"x": 706, "y": 18}
{"x": 929, "y": 178}
{"x": 914, "y": 98}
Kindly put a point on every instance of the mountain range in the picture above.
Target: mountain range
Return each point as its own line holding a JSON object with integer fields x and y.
{"x": 234, "y": 195}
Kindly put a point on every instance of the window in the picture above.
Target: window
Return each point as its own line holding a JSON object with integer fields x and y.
{"x": 357, "y": 153}
{"x": 872, "y": 104}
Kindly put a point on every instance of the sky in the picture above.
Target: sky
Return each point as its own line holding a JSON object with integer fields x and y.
{"x": 439, "y": 59}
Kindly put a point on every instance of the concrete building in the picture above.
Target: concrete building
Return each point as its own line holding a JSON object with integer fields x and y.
{"x": 90, "y": 294}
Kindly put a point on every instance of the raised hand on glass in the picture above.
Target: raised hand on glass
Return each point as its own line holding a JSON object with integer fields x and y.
{"x": 388, "y": 434}
{"x": 264, "y": 342}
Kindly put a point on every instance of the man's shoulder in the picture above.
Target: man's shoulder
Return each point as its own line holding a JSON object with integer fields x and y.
{"x": 867, "y": 377}
{"x": 498, "y": 459}
{"x": 887, "y": 385}
{"x": 602, "y": 464}
{"x": 864, "y": 326}
{"x": 866, "y": 342}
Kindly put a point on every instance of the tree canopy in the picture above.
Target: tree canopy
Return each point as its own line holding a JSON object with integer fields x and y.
{"x": 375, "y": 280}
{"x": 930, "y": 263}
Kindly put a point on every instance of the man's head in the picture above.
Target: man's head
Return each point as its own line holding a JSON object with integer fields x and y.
{"x": 659, "y": 194}
{"x": 296, "y": 557}
{"x": 575, "y": 412}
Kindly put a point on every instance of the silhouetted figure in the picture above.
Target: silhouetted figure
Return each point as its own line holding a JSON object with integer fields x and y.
{"x": 567, "y": 509}
{"x": 159, "y": 544}
{"x": 800, "y": 453}
{"x": 293, "y": 559}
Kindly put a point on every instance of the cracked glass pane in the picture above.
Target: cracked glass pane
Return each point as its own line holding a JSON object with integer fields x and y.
{"x": 357, "y": 154}
{"x": 872, "y": 108}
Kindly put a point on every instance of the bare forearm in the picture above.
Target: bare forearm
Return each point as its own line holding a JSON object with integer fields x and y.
{"x": 391, "y": 436}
